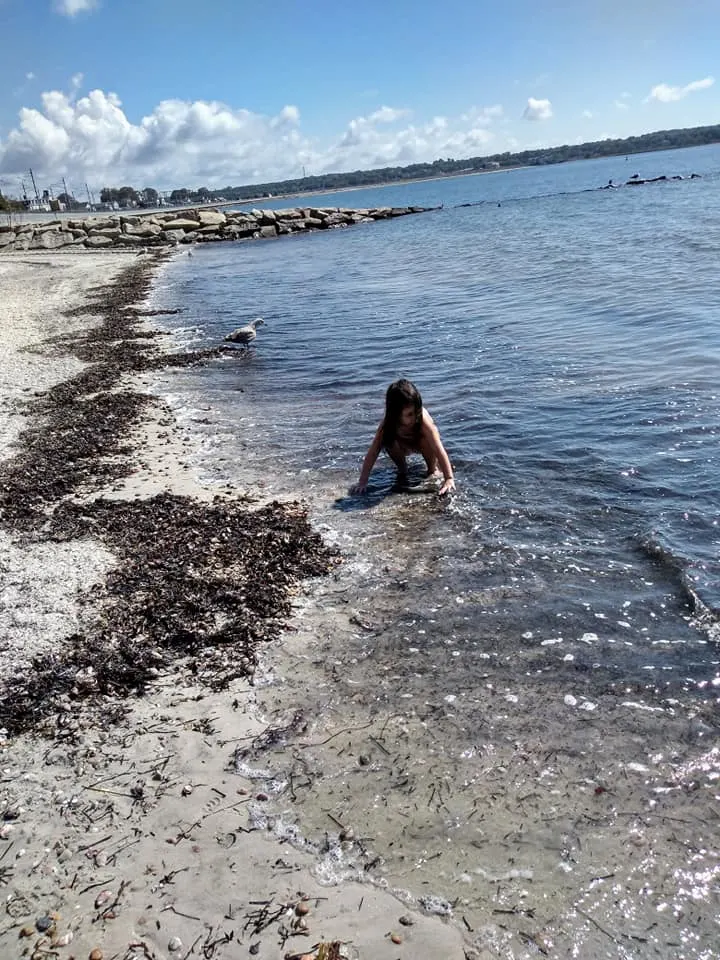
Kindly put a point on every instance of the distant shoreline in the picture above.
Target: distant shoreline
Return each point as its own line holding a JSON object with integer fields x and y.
{"x": 216, "y": 205}
{"x": 367, "y": 186}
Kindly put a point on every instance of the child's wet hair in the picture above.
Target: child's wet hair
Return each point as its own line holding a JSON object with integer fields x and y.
{"x": 401, "y": 394}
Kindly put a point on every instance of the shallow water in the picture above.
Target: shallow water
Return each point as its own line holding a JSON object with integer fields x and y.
{"x": 555, "y": 623}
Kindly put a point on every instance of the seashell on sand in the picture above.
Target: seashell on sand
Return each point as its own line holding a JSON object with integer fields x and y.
{"x": 102, "y": 898}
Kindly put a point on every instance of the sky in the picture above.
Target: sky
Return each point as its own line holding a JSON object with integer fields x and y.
{"x": 192, "y": 93}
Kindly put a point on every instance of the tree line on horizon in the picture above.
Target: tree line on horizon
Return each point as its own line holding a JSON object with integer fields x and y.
{"x": 645, "y": 143}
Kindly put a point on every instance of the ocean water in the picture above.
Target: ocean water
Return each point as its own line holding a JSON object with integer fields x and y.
{"x": 566, "y": 601}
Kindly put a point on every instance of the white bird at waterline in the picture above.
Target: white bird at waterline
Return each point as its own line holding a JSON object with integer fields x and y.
{"x": 246, "y": 334}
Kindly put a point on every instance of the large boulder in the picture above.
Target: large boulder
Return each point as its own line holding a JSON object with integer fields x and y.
{"x": 268, "y": 231}
{"x": 98, "y": 223}
{"x": 290, "y": 214}
{"x": 143, "y": 229}
{"x": 47, "y": 225}
{"x": 181, "y": 224}
{"x": 7, "y": 238}
{"x": 112, "y": 232}
{"x": 211, "y": 218}
{"x": 336, "y": 220}
{"x": 47, "y": 240}
{"x": 238, "y": 231}
{"x": 97, "y": 241}
{"x": 7, "y": 228}
{"x": 128, "y": 240}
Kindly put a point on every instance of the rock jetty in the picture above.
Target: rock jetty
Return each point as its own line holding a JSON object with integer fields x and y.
{"x": 187, "y": 226}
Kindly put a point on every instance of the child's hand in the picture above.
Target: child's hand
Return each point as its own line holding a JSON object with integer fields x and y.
{"x": 447, "y": 486}
{"x": 359, "y": 488}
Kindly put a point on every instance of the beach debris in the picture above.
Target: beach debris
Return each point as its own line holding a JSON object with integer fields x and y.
{"x": 186, "y": 790}
{"x": 63, "y": 940}
{"x": 27, "y": 932}
{"x": 302, "y": 908}
{"x": 45, "y": 923}
{"x": 175, "y": 944}
{"x": 102, "y": 898}
{"x": 395, "y": 938}
{"x": 406, "y": 921}
{"x": 95, "y": 954}
{"x": 325, "y": 950}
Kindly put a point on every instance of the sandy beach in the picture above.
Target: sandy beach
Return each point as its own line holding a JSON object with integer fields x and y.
{"x": 129, "y": 827}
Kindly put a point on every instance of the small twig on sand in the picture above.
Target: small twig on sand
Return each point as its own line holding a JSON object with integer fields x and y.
{"x": 596, "y": 924}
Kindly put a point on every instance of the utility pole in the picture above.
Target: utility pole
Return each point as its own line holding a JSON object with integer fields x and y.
{"x": 37, "y": 195}
{"x": 67, "y": 195}
{"x": 89, "y": 196}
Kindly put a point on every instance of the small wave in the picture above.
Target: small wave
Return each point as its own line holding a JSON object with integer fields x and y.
{"x": 705, "y": 616}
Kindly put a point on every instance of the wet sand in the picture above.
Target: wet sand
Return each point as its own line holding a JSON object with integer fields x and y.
{"x": 129, "y": 827}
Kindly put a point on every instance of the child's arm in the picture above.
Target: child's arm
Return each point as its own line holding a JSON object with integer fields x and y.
{"x": 440, "y": 454}
{"x": 369, "y": 461}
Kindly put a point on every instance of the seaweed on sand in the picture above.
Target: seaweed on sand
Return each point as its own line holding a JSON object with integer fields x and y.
{"x": 198, "y": 586}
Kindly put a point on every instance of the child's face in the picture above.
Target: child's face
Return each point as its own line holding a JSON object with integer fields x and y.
{"x": 407, "y": 417}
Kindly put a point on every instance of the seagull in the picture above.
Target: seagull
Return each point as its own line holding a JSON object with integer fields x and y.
{"x": 246, "y": 334}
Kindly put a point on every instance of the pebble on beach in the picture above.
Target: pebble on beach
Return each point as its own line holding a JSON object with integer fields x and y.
{"x": 102, "y": 898}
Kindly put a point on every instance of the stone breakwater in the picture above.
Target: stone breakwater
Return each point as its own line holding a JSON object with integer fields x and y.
{"x": 125, "y": 231}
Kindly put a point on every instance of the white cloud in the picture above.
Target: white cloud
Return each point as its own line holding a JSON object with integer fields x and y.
{"x": 621, "y": 105}
{"x": 587, "y": 114}
{"x": 190, "y": 143}
{"x": 482, "y": 116}
{"x": 667, "y": 94}
{"x": 30, "y": 75}
{"x": 71, "y": 8}
{"x": 387, "y": 115}
{"x": 537, "y": 109}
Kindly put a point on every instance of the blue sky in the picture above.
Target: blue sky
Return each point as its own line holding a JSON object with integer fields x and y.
{"x": 186, "y": 93}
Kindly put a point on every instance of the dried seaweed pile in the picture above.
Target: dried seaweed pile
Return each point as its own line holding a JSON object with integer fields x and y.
{"x": 202, "y": 583}
{"x": 78, "y": 438}
{"x": 197, "y": 584}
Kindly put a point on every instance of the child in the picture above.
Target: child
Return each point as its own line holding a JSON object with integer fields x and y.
{"x": 406, "y": 428}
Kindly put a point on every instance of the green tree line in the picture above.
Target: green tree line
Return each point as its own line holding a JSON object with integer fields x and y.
{"x": 645, "y": 143}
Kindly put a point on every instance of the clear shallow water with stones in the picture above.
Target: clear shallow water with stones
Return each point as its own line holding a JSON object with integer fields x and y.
{"x": 551, "y": 631}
